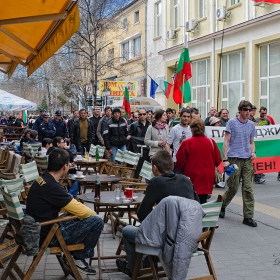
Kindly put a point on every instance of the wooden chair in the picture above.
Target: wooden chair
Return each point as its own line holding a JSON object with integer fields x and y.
{"x": 8, "y": 159}
{"x": 209, "y": 225}
{"x": 7, "y": 240}
{"x": 30, "y": 150}
{"x": 42, "y": 163}
{"x": 29, "y": 172}
{"x": 13, "y": 172}
{"x": 15, "y": 216}
{"x": 3, "y": 156}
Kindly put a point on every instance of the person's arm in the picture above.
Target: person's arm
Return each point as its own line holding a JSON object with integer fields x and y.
{"x": 98, "y": 132}
{"x": 106, "y": 137}
{"x": 225, "y": 149}
{"x": 148, "y": 202}
{"x": 181, "y": 157}
{"x": 170, "y": 140}
{"x": 148, "y": 138}
{"x": 253, "y": 148}
{"x": 78, "y": 209}
{"x": 92, "y": 136}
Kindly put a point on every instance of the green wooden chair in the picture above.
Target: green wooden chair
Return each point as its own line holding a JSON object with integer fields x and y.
{"x": 7, "y": 240}
{"x": 30, "y": 150}
{"x": 13, "y": 172}
{"x": 42, "y": 163}
{"x": 8, "y": 160}
{"x": 16, "y": 215}
{"x": 209, "y": 225}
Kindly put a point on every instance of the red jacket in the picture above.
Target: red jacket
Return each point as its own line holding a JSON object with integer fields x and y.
{"x": 197, "y": 158}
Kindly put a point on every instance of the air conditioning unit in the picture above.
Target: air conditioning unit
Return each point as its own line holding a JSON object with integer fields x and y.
{"x": 221, "y": 13}
{"x": 171, "y": 34}
{"x": 191, "y": 25}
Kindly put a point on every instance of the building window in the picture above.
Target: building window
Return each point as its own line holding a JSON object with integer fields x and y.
{"x": 124, "y": 23}
{"x": 269, "y": 82}
{"x": 158, "y": 19}
{"x": 233, "y": 81}
{"x": 125, "y": 51}
{"x": 233, "y": 2}
{"x": 136, "y": 17}
{"x": 110, "y": 59}
{"x": 176, "y": 15}
{"x": 200, "y": 84}
{"x": 201, "y": 9}
{"x": 137, "y": 47}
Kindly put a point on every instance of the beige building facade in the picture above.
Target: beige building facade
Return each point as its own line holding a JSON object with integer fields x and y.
{"x": 234, "y": 47}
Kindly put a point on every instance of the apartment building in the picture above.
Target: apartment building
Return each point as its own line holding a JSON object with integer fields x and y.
{"x": 234, "y": 47}
{"x": 125, "y": 47}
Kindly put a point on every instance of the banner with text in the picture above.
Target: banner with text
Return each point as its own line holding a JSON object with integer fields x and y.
{"x": 267, "y": 143}
{"x": 116, "y": 88}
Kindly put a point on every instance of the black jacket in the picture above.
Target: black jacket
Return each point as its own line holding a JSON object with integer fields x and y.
{"x": 61, "y": 128}
{"x": 46, "y": 130}
{"x": 115, "y": 133}
{"x": 75, "y": 134}
{"x": 37, "y": 123}
{"x": 95, "y": 122}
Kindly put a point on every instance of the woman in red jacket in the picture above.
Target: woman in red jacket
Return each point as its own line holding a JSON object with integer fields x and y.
{"x": 197, "y": 158}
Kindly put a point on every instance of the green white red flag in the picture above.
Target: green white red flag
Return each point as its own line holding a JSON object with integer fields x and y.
{"x": 167, "y": 89}
{"x": 267, "y": 144}
{"x": 23, "y": 115}
{"x": 126, "y": 103}
{"x": 182, "y": 92}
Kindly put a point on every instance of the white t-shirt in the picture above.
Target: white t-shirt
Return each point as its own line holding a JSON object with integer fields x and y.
{"x": 176, "y": 136}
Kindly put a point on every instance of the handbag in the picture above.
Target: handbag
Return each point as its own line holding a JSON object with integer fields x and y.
{"x": 218, "y": 175}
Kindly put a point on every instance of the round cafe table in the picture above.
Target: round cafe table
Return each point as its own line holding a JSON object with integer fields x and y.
{"x": 90, "y": 179}
{"x": 89, "y": 163}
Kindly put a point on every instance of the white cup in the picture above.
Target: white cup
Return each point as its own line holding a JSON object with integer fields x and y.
{"x": 79, "y": 173}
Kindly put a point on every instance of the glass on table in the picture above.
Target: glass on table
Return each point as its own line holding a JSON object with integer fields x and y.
{"x": 117, "y": 190}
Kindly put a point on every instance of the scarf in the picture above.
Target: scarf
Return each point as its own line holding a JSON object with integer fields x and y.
{"x": 159, "y": 127}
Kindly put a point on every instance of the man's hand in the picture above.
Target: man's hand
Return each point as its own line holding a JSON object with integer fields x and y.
{"x": 128, "y": 137}
{"x": 226, "y": 163}
{"x": 110, "y": 151}
{"x": 161, "y": 143}
{"x": 253, "y": 156}
{"x": 67, "y": 139}
{"x": 102, "y": 143}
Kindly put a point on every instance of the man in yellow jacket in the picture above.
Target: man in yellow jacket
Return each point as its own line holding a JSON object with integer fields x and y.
{"x": 47, "y": 198}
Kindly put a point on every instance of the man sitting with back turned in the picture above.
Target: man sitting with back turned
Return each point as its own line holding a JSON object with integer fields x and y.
{"x": 164, "y": 184}
{"x": 47, "y": 197}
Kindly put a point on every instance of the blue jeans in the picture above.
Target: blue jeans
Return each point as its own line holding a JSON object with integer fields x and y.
{"x": 115, "y": 149}
{"x": 128, "y": 235}
{"x": 85, "y": 231}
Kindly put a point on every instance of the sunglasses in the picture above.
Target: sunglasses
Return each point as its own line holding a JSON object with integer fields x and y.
{"x": 144, "y": 114}
{"x": 246, "y": 109}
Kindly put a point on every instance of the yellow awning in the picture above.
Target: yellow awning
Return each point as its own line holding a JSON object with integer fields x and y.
{"x": 31, "y": 31}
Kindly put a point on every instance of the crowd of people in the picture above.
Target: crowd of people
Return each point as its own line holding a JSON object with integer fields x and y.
{"x": 183, "y": 159}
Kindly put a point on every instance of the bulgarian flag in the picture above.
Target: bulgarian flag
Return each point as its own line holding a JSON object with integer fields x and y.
{"x": 267, "y": 144}
{"x": 126, "y": 103}
{"x": 182, "y": 91}
{"x": 23, "y": 116}
{"x": 268, "y": 1}
{"x": 167, "y": 89}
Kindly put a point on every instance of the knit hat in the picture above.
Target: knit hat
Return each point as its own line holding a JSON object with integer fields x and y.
{"x": 116, "y": 110}
{"x": 213, "y": 120}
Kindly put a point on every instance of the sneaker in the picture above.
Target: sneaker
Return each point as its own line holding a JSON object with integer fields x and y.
{"x": 222, "y": 213}
{"x": 123, "y": 267}
{"x": 83, "y": 267}
{"x": 260, "y": 181}
{"x": 249, "y": 222}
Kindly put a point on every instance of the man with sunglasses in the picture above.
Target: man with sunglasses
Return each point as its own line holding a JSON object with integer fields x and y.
{"x": 239, "y": 149}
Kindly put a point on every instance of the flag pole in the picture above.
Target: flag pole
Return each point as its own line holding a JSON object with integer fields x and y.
{"x": 183, "y": 90}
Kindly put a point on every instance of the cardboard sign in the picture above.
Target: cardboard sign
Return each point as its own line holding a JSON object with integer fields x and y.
{"x": 267, "y": 164}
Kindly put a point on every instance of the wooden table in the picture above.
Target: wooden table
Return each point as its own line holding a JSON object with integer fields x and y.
{"x": 90, "y": 163}
{"x": 90, "y": 179}
{"x": 108, "y": 203}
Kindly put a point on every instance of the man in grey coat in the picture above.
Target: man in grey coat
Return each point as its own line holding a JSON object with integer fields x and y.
{"x": 164, "y": 184}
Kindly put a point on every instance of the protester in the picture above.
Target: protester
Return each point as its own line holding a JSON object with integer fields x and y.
{"x": 157, "y": 133}
{"x": 212, "y": 113}
{"x": 60, "y": 126}
{"x": 39, "y": 120}
{"x": 223, "y": 114}
{"x": 149, "y": 115}
{"x": 169, "y": 114}
{"x": 164, "y": 184}
{"x": 252, "y": 115}
{"x": 46, "y": 144}
{"x": 179, "y": 133}
{"x": 197, "y": 158}
{"x": 46, "y": 128}
{"x": 195, "y": 114}
{"x": 95, "y": 120}
{"x": 215, "y": 121}
{"x": 262, "y": 119}
{"x": 239, "y": 149}
{"x": 82, "y": 134}
{"x": 71, "y": 121}
{"x": 46, "y": 198}
{"x": 115, "y": 134}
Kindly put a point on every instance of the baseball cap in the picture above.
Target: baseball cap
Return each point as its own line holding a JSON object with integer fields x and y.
{"x": 46, "y": 116}
{"x": 58, "y": 113}
{"x": 42, "y": 109}
{"x": 254, "y": 107}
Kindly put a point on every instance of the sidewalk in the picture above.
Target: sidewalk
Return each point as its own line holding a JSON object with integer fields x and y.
{"x": 238, "y": 251}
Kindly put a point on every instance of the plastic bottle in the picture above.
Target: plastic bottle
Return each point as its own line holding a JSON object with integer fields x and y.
{"x": 97, "y": 155}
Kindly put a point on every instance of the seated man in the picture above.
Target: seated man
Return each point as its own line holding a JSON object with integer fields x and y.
{"x": 33, "y": 137}
{"x": 47, "y": 197}
{"x": 164, "y": 184}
